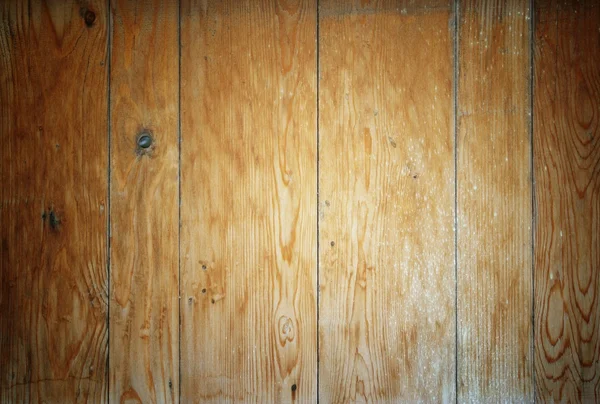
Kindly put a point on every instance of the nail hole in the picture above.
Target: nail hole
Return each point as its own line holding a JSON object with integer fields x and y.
{"x": 333, "y": 243}
{"x": 203, "y": 290}
{"x": 212, "y": 301}
{"x": 294, "y": 387}
{"x": 204, "y": 266}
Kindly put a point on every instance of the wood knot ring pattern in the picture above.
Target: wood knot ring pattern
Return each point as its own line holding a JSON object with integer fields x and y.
{"x": 286, "y": 330}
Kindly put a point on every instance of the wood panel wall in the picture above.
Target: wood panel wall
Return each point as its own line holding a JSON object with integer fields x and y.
{"x": 144, "y": 202}
{"x": 566, "y": 159}
{"x": 248, "y": 201}
{"x": 386, "y": 202}
{"x": 340, "y": 201}
{"x": 53, "y": 214}
{"x": 494, "y": 202}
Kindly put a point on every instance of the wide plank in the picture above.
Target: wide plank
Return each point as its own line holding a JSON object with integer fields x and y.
{"x": 567, "y": 189}
{"x": 144, "y": 202}
{"x": 248, "y": 214}
{"x": 494, "y": 202}
{"x": 386, "y": 201}
{"x": 53, "y": 165}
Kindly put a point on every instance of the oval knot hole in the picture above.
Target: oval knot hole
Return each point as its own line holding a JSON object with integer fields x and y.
{"x": 145, "y": 143}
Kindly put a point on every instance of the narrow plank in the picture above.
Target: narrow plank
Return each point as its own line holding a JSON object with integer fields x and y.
{"x": 494, "y": 205}
{"x": 144, "y": 200}
{"x": 567, "y": 188}
{"x": 248, "y": 241}
{"x": 53, "y": 148}
{"x": 386, "y": 191}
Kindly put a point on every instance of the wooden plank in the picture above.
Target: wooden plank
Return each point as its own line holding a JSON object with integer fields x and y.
{"x": 386, "y": 191}
{"x": 567, "y": 188}
{"x": 494, "y": 205}
{"x": 248, "y": 241}
{"x": 144, "y": 255}
{"x": 53, "y": 148}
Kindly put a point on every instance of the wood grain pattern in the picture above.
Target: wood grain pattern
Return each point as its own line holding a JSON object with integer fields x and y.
{"x": 53, "y": 148}
{"x": 567, "y": 187}
{"x": 386, "y": 189}
{"x": 494, "y": 205}
{"x": 144, "y": 305}
{"x": 248, "y": 242}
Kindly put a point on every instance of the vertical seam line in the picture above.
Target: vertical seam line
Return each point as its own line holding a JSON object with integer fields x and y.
{"x": 179, "y": 196}
{"x": 109, "y": 175}
{"x": 533, "y": 196}
{"x": 318, "y": 199}
{"x": 456, "y": 66}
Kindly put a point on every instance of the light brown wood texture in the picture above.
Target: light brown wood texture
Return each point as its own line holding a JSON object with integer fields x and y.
{"x": 53, "y": 159}
{"x": 248, "y": 214}
{"x": 344, "y": 201}
{"x": 144, "y": 208}
{"x": 494, "y": 205}
{"x": 567, "y": 187}
{"x": 386, "y": 202}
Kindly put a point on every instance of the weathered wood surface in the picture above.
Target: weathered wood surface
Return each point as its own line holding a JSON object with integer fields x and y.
{"x": 53, "y": 165}
{"x": 386, "y": 202}
{"x": 567, "y": 188}
{"x": 248, "y": 214}
{"x": 494, "y": 205}
{"x": 144, "y": 207}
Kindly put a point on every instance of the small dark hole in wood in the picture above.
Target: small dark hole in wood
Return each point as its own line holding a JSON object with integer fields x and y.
{"x": 190, "y": 300}
{"x": 203, "y": 290}
{"x": 294, "y": 387}
{"x": 204, "y": 267}
{"x": 89, "y": 17}
{"x": 333, "y": 243}
{"x": 212, "y": 301}
{"x": 54, "y": 220}
{"x": 170, "y": 384}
